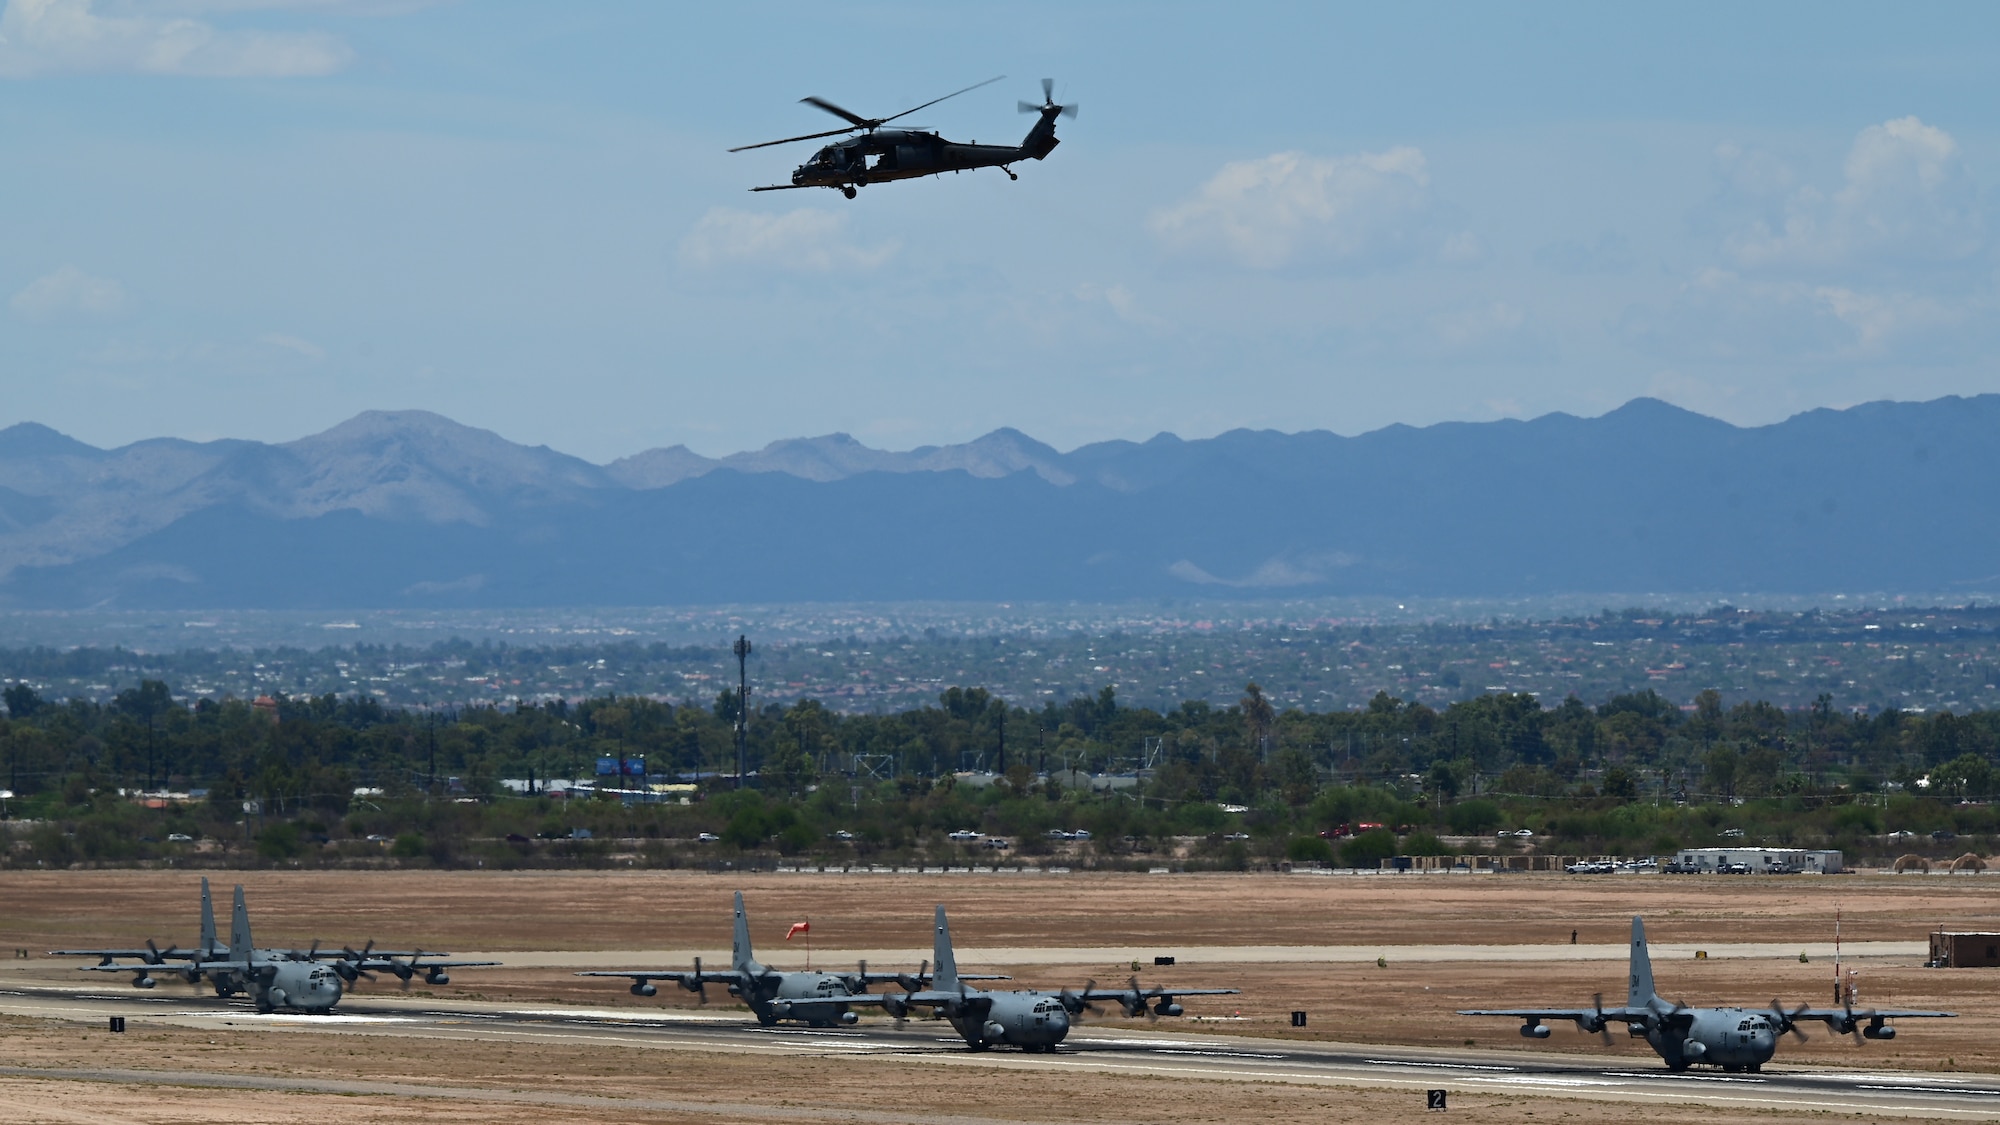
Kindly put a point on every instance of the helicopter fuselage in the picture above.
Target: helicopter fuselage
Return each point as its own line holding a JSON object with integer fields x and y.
{"x": 907, "y": 154}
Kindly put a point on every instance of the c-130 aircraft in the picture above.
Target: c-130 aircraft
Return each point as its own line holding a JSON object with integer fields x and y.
{"x": 1735, "y": 1039}
{"x": 817, "y": 999}
{"x": 274, "y": 978}
{"x": 1029, "y": 1019}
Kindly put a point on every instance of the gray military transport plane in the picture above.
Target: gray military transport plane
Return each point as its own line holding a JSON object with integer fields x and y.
{"x": 1029, "y": 1019}
{"x": 813, "y": 998}
{"x": 274, "y": 978}
{"x": 1735, "y": 1039}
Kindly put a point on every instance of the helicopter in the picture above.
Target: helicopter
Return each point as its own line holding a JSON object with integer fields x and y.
{"x": 879, "y": 155}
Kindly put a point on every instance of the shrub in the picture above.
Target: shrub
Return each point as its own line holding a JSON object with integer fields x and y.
{"x": 1369, "y": 849}
{"x": 1309, "y": 849}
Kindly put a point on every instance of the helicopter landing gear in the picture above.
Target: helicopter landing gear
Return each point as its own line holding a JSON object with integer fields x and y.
{"x": 847, "y": 190}
{"x": 1010, "y": 172}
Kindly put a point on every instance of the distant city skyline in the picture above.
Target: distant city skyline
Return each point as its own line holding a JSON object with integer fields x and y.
{"x": 258, "y": 220}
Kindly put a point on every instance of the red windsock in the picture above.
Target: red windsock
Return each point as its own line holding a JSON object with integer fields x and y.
{"x": 798, "y": 928}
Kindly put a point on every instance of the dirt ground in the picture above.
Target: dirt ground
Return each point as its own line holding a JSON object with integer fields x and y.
{"x": 1404, "y": 1002}
{"x": 675, "y": 910}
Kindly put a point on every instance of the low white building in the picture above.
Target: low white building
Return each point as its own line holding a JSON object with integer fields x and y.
{"x": 1760, "y": 860}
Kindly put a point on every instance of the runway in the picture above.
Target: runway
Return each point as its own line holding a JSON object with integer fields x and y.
{"x": 1172, "y": 1051}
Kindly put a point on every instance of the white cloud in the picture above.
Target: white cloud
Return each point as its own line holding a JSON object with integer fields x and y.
{"x": 66, "y": 291}
{"x": 1723, "y": 315}
{"x": 1120, "y": 300}
{"x": 1905, "y": 197}
{"x": 1265, "y": 213}
{"x": 39, "y": 37}
{"x": 806, "y": 240}
{"x": 295, "y": 345}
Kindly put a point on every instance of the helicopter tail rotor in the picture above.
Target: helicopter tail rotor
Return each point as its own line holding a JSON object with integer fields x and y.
{"x": 1048, "y": 101}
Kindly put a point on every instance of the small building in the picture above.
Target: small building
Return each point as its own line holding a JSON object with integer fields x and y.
{"x": 1964, "y": 950}
{"x": 1760, "y": 861}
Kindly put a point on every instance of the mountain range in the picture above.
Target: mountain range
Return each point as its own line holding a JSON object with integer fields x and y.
{"x": 412, "y": 509}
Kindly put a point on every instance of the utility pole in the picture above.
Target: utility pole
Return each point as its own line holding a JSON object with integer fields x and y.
{"x": 742, "y": 650}
{"x": 1002, "y": 771}
{"x": 430, "y": 783}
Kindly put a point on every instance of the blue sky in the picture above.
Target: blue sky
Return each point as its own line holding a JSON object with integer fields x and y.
{"x": 255, "y": 218}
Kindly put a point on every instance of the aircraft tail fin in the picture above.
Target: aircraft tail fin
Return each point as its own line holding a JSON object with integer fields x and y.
{"x": 1642, "y": 994}
{"x": 945, "y": 974}
{"x": 239, "y": 929}
{"x": 207, "y": 920}
{"x": 1041, "y": 140}
{"x": 740, "y": 957}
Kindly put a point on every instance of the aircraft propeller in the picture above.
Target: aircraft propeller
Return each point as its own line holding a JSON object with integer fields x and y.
{"x": 349, "y": 966}
{"x": 1785, "y": 1021}
{"x": 700, "y": 984}
{"x": 1849, "y": 1024}
{"x": 917, "y": 983}
{"x": 1078, "y": 1003}
{"x": 1048, "y": 101}
{"x": 155, "y": 957}
{"x": 1603, "y": 1030}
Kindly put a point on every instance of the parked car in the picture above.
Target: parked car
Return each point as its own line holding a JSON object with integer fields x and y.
{"x": 1733, "y": 869}
{"x": 842, "y": 834}
{"x": 179, "y": 838}
{"x": 1080, "y": 834}
{"x": 997, "y": 843}
{"x": 966, "y": 835}
{"x": 1237, "y": 836}
{"x": 1521, "y": 833}
{"x": 706, "y": 837}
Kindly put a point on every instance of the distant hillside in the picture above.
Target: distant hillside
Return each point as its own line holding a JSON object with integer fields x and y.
{"x": 409, "y": 508}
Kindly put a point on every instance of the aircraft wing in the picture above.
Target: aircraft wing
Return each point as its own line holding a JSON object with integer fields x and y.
{"x": 894, "y": 978}
{"x": 1582, "y": 1016}
{"x": 1150, "y": 993}
{"x": 1836, "y": 1017}
{"x": 169, "y": 953}
{"x": 783, "y": 187}
{"x": 937, "y": 996}
{"x": 373, "y": 965}
{"x": 681, "y": 977}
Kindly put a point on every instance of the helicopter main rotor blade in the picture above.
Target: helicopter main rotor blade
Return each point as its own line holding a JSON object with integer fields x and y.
{"x": 855, "y": 119}
{"x": 789, "y": 140}
{"x": 1048, "y": 89}
{"x": 934, "y": 101}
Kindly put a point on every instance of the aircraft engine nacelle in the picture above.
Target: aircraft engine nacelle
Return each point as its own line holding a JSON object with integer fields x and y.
{"x": 1167, "y": 1008}
{"x": 895, "y": 1007}
{"x": 644, "y": 988}
{"x": 437, "y": 976}
{"x": 1878, "y": 1031}
{"x": 1693, "y": 1048}
{"x": 994, "y": 1031}
{"x": 277, "y": 997}
{"x": 849, "y": 1018}
{"x": 781, "y": 1008}
{"x": 142, "y": 982}
{"x": 1534, "y": 1031}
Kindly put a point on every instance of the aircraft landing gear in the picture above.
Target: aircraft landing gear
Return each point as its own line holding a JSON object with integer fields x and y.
{"x": 847, "y": 190}
{"x": 1010, "y": 172}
